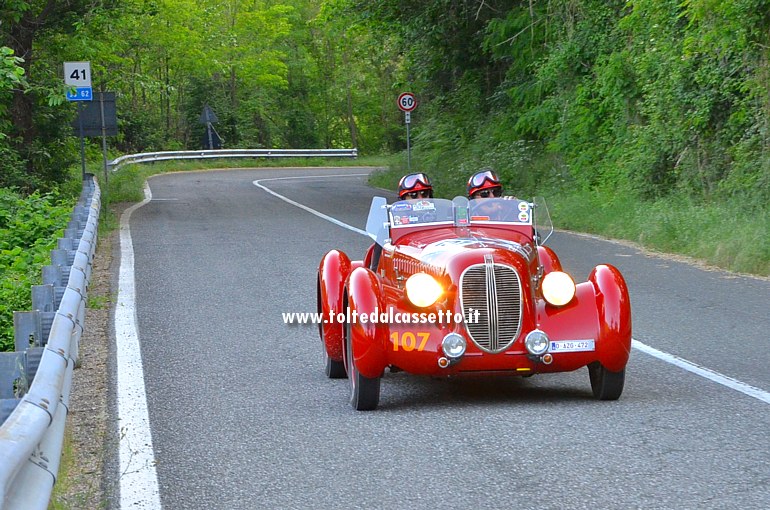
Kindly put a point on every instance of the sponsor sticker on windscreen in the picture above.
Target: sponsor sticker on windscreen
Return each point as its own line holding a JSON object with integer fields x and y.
{"x": 424, "y": 205}
{"x": 572, "y": 346}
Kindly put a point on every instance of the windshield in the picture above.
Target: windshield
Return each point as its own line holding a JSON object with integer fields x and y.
{"x": 543, "y": 224}
{"x": 501, "y": 210}
{"x": 408, "y": 213}
{"x": 461, "y": 212}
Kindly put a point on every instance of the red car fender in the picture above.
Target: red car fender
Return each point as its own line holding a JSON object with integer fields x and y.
{"x": 332, "y": 272}
{"x": 548, "y": 258}
{"x": 614, "y": 310}
{"x": 368, "y": 339}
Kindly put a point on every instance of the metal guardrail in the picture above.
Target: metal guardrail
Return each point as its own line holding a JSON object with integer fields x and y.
{"x": 148, "y": 157}
{"x": 31, "y": 437}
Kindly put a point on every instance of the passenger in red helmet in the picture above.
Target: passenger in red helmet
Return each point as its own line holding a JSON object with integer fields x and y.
{"x": 484, "y": 184}
{"x": 413, "y": 186}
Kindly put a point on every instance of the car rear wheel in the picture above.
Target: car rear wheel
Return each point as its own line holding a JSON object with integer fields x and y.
{"x": 334, "y": 369}
{"x": 606, "y": 385}
{"x": 364, "y": 392}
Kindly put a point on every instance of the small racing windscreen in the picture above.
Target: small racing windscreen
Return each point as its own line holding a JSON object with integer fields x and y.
{"x": 408, "y": 213}
{"x": 377, "y": 222}
{"x": 543, "y": 223}
{"x": 501, "y": 210}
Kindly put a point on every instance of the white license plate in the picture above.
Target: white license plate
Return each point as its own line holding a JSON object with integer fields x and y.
{"x": 572, "y": 346}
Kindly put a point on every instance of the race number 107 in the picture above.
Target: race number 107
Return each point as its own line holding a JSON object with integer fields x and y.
{"x": 409, "y": 341}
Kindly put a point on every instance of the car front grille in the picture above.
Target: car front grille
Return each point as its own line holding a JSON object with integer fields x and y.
{"x": 495, "y": 291}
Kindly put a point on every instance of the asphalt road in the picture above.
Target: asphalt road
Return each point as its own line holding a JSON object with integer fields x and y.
{"x": 243, "y": 416}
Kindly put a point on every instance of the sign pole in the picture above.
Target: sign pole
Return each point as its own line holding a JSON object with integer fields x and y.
{"x": 406, "y": 103}
{"x": 408, "y": 120}
{"x": 104, "y": 135}
{"x": 82, "y": 141}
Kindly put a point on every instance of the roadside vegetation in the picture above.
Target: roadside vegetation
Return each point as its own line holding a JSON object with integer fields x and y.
{"x": 29, "y": 228}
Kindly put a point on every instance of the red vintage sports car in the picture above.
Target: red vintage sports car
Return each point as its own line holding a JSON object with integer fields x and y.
{"x": 454, "y": 287}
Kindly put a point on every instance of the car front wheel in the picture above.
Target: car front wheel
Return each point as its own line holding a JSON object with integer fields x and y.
{"x": 606, "y": 385}
{"x": 364, "y": 391}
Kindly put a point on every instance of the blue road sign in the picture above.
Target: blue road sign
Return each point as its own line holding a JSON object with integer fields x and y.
{"x": 80, "y": 94}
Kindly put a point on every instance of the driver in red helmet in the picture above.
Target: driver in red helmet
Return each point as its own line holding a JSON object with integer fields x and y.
{"x": 485, "y": 184}
{"x": 412, "y": 186}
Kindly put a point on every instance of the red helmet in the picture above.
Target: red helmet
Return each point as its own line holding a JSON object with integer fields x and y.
{"x": 412, "y": 183}
{"x": 485, "y": 179}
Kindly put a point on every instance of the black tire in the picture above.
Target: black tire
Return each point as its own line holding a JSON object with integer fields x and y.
{"x": 606, "y": 385}
{"x": 364, "y": 392}
{"x": 319, "y": 307}
{"x": 376, "y": 254}
{"x": 334, "y": 369}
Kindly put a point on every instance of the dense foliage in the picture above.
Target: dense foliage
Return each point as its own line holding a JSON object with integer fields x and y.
{"x": 646, "y": 97}
{"x": 276, "y": 74}
{"x": 650, "y": 97}
{"x": 29, "y": 228}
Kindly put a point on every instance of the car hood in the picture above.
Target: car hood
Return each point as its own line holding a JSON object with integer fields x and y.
{"x": 443, "y": 252}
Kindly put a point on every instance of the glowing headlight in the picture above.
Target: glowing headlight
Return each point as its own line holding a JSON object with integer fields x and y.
{"x": 536, "y": 342}
{"x": 423, "y": 290}
{"x": 453, "y": 345}
{"x": 558, "y": 288}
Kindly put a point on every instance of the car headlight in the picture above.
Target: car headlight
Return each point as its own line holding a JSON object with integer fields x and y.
{"x": 453, "y": 345}
{"x": 423, "y": 290}
{"x": 558, "y": 288}
{"x": 536, "y": 342}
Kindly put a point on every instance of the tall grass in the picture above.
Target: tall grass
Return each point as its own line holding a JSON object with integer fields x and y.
{"x": 730, "y": 234}
{"x": 725, "y": 234}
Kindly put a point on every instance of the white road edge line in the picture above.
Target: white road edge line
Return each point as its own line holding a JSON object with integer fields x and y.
{"x": 138, "y": 478}
{"x": 306, "y": 208}
{"x": 691, "y": 367}
{"x": 707, "y": 373}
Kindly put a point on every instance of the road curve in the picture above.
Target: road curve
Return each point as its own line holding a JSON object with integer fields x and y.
{"x": 242, "y": 415}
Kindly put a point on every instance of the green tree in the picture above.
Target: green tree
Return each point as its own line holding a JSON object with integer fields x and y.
{"x": 37, "y": 133}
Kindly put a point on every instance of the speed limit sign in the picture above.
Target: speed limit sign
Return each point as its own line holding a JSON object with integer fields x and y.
{"x": 407, "y": 102}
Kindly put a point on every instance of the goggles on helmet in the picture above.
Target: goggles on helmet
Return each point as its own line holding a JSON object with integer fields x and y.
{"x": 414, "y": 182}
{"x": 487, "y": 175}
{"x": 409, "y": 181}
{"x": 485, "y": 179}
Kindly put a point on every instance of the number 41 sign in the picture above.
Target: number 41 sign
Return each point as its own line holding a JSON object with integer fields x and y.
{"x": 78, "y": 75}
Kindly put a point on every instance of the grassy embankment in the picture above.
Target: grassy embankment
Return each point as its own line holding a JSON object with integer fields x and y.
{"x": 731, "y": 235}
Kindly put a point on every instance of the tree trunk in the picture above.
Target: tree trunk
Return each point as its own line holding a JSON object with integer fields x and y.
{"x": 21, "y": 39}
{"x": 349, "y": 97}
{"x": 22, "y": 107}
